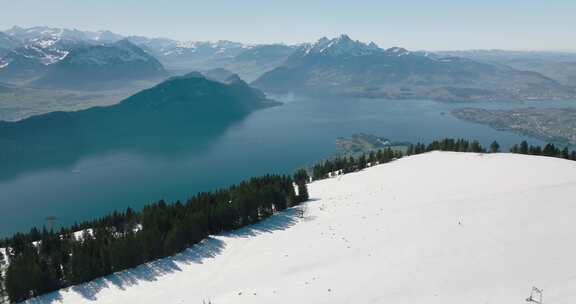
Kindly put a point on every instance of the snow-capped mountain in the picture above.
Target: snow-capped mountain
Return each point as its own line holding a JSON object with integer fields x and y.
{"x": 47, "y": 56}
{"x": 154, "y": 46}
{"x": 342, "y": 66}
{"x": 121, "y": 60}
{"x": 27, "y": 53}
{"x": 221, "y": 46}
{"x": 47, "y": 35}
{"x": 249, "y": 61}
{"x": 398, "y": 51}
{"x": 50, "y": 45}
{"x": 340, "y": 46}
{"x": 344, "y": 46}
{"x": 99, "y": 55}
{"x": 192, "y": 54}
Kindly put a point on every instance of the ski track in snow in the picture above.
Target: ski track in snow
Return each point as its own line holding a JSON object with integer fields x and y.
{"x": 440, "y": 227}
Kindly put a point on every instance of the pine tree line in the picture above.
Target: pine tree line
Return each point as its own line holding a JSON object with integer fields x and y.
{"x": 45, "y": 261}
{"x": 346, "y": 164}
{"x": 549, "y": 150}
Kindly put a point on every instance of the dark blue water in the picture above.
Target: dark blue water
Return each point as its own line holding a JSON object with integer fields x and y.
{"x": 274, "y": 140}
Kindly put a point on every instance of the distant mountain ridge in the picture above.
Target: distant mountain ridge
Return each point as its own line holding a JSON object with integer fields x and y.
{"x": 26, "y": 53}
{"x": 342, "y": 45}
{"x": 43, "y": 56}
{"x": 560, "y": 66}
{"x": 121, "y": 60}
{"x": 249, "y": 61}
{"x": 192, "y": 91}
{"x": 35, "y": 54}
{"x": 44, "y": 33}
{"x": 342, "y": 66}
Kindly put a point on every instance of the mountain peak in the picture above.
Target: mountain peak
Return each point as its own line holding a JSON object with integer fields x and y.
{"x": 344, "y": 37}
{"x": 342, "y": 45}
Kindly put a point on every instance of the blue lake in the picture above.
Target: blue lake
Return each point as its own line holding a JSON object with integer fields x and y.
{"x": 274, "y": 140}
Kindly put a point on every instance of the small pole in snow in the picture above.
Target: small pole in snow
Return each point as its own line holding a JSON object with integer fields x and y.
{"x": 535, "y": 296}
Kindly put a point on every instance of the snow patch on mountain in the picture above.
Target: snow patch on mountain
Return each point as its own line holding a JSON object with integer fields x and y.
{"x": 50, "y": 45}
{"x": 398, "y": 51}
{"x": 39, "y": 33}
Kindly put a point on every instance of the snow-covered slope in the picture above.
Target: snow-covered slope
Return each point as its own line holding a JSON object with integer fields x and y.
{"x": 439, "y": 227}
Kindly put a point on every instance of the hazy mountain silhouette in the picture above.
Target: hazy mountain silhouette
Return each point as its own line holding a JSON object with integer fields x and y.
{"x": 180, "y": 115}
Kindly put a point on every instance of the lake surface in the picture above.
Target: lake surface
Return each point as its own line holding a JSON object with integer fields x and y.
{"x": 274, "y": 140}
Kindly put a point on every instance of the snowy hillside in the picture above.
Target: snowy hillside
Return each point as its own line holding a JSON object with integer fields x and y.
{"x": 439, "y": 227}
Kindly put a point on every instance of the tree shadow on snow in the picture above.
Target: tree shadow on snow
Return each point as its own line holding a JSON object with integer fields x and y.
{"x": 149, "y": 272}
{"x": 279, "y": 221}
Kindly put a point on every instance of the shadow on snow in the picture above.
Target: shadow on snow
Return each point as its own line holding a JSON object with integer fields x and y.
{"x": 208, "y": 248}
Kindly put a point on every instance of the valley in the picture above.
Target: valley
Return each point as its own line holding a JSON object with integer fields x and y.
{"x": 18, "y": 103}
{"x": 135, "y": 167}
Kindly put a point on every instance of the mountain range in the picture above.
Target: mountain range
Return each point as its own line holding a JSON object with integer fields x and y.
{"x": 62, "y": 58}
{"x": 30, "y": 54}
{"x": 560, "y": 66}
{"x": 249, "y": 61}
{"x": 342, "y": 66}
{"x": 98, "y": 64}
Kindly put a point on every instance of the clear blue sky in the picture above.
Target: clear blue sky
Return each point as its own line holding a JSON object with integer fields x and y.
{"x": 414, "y": 24}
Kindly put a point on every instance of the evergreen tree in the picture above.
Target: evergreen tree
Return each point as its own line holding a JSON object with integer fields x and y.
{"x": 515, "y": 149}
{"x": 565, "y": 153}
{"x": 523, "y": 147}
{"x": 26, "y": 276}
{"x": 301, "y": 178}
{"x": 494, "y": 147}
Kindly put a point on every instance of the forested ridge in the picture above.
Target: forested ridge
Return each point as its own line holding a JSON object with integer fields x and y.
{"x": 42, "y": 261}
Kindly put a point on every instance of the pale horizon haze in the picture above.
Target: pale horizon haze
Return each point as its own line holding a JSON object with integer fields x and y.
{"x": 413, "y": 24}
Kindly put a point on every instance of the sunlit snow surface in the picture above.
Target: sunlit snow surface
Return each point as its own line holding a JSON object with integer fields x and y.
{"x": 434, "y": 228}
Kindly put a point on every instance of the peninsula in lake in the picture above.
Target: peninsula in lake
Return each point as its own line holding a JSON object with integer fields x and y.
{"x": 365, "y": 143}
{"x": 551, "y": 124}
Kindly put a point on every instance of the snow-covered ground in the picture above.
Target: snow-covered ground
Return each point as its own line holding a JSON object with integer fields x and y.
{"x": 439, "y": 227}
